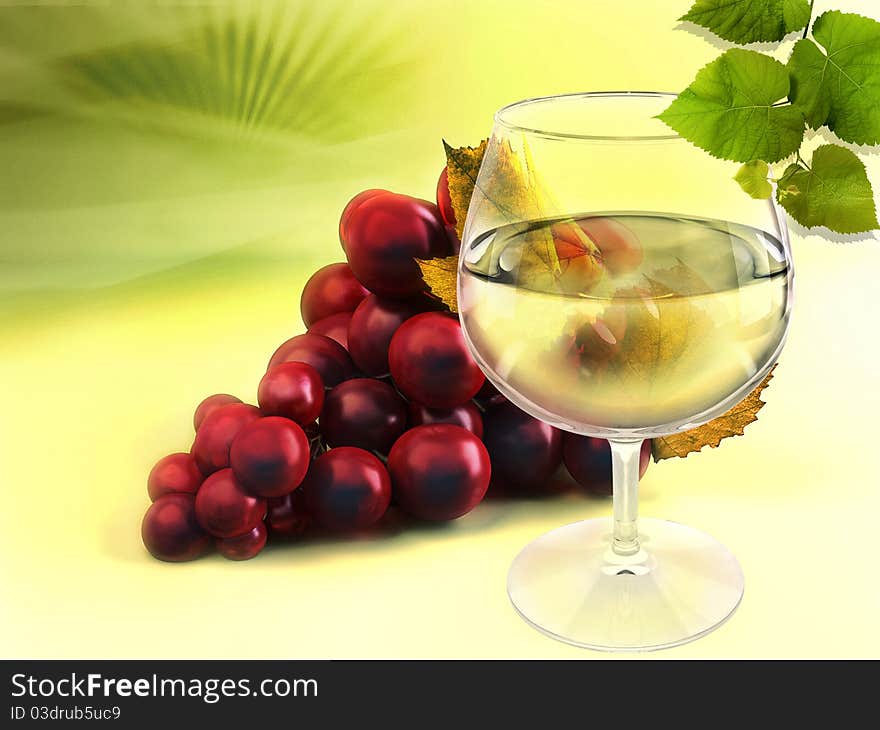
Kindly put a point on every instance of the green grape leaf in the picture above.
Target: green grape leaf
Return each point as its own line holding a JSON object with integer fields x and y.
{"x": 840, "y": 89}
{"x": 833, "y": 191}
{"x": 749, "y": 21}
{"x": 752, "y": 178}
{"x": 729, "y": 109}
{"x": 795, "y": 14}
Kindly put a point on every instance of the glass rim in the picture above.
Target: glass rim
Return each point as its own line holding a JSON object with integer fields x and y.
{"x": 553, "y": 134}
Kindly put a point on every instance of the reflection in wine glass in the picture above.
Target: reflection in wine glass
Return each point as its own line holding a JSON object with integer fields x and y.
{"x": 614, "y": 282}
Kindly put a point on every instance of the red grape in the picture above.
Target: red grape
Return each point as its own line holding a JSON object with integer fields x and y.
{"x": 466, "y": 415}
{"x": 327, "y": 356}
{"x": 579, "y": 260}
{"x": 224, "y": 509}
{"x": 351, "y": 207}
{"x": 588, "y": 460}
{"x": 430, "y": 361}
{"x": 365, "y": 413}
{"x": 174, "y": 473}
{"x": 293, "y": 390}
{"x": 270, "y": 457}
{"x": 287, "y": 516}
{"x": 374, "y": 323}
{"x": 525, "y": 452}
{"x": 439, "y": 472}
{"x": 243, "y": 547}
{"x": 211, "y": 404}
{"x": 335, "y": 327}
{"x": 620, "y": 248}
{"x": 211, "y": 446}
{"x": 444, "y": 202}
{"x": 447, "y": 212}
{"x": 386, "y": 234}
{"x": 170, "y": 530}
{"x": 330, "y": 290}
{"x": 347, "y": 489}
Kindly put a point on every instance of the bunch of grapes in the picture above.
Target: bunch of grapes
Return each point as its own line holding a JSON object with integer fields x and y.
{"x": 378, "y": 403}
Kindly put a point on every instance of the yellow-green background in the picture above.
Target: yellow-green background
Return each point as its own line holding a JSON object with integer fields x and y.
{"x": 166, "y": 190}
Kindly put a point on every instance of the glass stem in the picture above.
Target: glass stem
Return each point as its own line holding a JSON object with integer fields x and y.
{"x": 625, "y": 472}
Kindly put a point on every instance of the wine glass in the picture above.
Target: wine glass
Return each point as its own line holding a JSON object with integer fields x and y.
{"x": 615, "y": 282}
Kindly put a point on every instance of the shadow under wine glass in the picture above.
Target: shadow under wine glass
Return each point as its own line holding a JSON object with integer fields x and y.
{"x": 615, "y": 282}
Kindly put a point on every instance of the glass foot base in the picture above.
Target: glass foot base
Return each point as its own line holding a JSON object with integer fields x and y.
{"x": 681, "y": 585}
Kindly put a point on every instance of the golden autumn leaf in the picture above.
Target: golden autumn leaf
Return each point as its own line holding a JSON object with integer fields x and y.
{"x": 462, "y": 168}
{"x": 659, "y": 331}
{"x": 652, "y": 326}
{"x": 732, "y": 423}
{"x": 512, "y": 192}
{"x": 440, "y": 276}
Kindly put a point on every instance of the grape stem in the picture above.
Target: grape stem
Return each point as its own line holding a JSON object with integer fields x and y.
{"x": 625, "y": 473}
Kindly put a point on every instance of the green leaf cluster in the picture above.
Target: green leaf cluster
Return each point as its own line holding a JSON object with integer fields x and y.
{"x": 749, "y": 21}
{"x": 747, "y": 107}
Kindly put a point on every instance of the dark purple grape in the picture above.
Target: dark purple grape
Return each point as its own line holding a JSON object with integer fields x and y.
{"x": 466, "y": 415}
{"x": 365, "y": 413}
{"x": 588, "y": 460}
{"x": 347, "y": 489}
{"x": 525, "y": 452}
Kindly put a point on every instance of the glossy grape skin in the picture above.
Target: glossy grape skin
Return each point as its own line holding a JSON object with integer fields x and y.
{"x": 171, "y": 532}
{"x": 224, "y": 508}
{"x": 270, "y": 457}
{"x": 287, "y": 517}
{"x": 330, "y": 290}
{"x": 447, "y": 212}
{"x": 172, "y": 474}
{"x": 293, "y": 390}
{"x": 439, "y": 472}
{"x": 347, "y": 489}
{"x": 211, "y": 404}
{"x": 374, "y": 323}
{"x": 588, "y": 460}
{"x": 335, "y": 327}
{"x": 351, "y": 207}
{"x": 215, "y": 434}
{"x": 431, "y": 363}
{"x": 525, "y": 452}
{"x": 466, "y": 415}
{"x": 444, "y": 202}
{"x": 386, "y": 234}
{"x": 365, "y": 413}
{"x": 327, "y": 356}
{"x": 243, "y": 547}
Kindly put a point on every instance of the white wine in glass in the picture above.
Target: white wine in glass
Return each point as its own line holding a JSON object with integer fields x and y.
{"x": 615, "y": 284}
